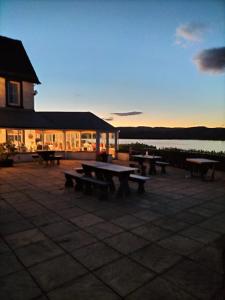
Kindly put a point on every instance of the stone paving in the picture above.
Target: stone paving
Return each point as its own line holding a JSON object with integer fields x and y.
{"x": 59, "y": 244}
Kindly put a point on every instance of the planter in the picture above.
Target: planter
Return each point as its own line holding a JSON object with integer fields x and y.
{"x": 6, "y": 163}
{"x": 123, "y": 156}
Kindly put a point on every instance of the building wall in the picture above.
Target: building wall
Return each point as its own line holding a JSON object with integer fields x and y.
{"x": 2, "y": 92}
{"x": 2, "y": 136}
{"x": 28, "y": 95}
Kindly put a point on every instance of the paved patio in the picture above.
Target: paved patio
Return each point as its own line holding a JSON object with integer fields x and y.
{"x": 57, "y": 244}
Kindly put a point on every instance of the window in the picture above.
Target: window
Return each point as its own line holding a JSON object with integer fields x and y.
{"x": 14, "y": 93}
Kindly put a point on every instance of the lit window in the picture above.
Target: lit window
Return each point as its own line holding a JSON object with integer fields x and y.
{"x": 14, "y": 93}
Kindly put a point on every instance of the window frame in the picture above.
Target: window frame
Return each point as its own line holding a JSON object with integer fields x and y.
{"x": 20, "y": 94}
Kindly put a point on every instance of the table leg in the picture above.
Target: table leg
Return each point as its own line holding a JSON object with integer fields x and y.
{"x": 109, "y": 179}
{"x": 213, "y": 173}
{"x": 124, "y": 189}
{"x": 152, "y": 168}
{"x": 203, "y": 171}
{"x": 142, "y": 167}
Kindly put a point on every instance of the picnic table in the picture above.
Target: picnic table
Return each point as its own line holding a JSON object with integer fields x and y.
{"x": 151, "y": 160}
{"x": 202, "y": 165}
{"x": 49, "y": 156}
{"x": 106, "y": 171}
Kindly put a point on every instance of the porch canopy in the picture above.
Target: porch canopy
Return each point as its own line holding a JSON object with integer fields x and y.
{"x": 75, "y": 131}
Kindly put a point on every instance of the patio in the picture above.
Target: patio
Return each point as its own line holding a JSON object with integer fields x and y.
{"x": 57, "y": 244}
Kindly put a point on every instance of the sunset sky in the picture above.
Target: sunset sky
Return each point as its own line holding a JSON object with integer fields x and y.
{"x": 151, "y": 63}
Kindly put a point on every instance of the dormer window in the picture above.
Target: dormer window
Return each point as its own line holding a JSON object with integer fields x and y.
{"x": 13, "y": 93}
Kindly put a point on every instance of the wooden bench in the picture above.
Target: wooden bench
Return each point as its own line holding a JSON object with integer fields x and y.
{"x": 163, "y": 166}
{"x": 55, "y": 158}
{"x": 79, "y": 170}
{"x": 140, "y": 180}
{"x": 140, "y": 168}
{"x": 85, "y": 183}
{"x": 36, "y": 158}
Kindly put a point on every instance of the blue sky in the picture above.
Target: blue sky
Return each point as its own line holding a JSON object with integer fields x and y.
{"x": 123, "y": 56}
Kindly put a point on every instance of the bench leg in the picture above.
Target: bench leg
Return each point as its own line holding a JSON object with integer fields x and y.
{"x": 88, "y": 188}
{"x": 69, "y": 181}
{"x": 124, "y": 189}
{"x": 103, "y": 196}
{"x": 109, "y": 179}
{"x": 163, "y": 169}
{"x": 79, "y": 185}
{"x": 141, "y": 187}
{"x": 152, "y": 168}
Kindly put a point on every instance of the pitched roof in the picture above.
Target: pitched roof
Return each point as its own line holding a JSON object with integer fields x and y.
{"x": 77, "y": 120}
{"x": 22, "y": 118}
{"x": 28, "y": 119}
{"x": 14, "y": 61}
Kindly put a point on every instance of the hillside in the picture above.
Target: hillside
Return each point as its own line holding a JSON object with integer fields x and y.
{"x": 191, "y": 133}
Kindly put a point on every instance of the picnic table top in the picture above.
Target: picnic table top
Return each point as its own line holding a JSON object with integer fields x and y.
{"x": 201, "y": 161}
{"x": 147, "y": 156}
{"x": 109, "y": 167}
{"x": 45, "y": 151}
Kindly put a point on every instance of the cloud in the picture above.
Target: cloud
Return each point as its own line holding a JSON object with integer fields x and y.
{"x": 191, "y": 32}
{"x": 211, "y": 60}
{"x": 108, "y": 119}
{"x": 129, "y": 113}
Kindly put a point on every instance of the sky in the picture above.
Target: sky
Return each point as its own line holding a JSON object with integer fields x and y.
{"x": 133, "y": 63}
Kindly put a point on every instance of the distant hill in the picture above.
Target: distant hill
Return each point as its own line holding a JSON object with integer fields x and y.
{"x": 191, "y": 133}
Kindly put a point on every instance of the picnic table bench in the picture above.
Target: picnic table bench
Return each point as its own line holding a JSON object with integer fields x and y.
{"x": 140, "y": 180}
{"x": 163, "y": 166}
{"x": 86, "y": 184}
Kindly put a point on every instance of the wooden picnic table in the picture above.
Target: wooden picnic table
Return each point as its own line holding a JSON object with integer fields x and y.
{"x": 202, "y": 165}
{"x": 151, "y": 159}
{"x": 105, "y": 171}
{"x": 49, "y": 156}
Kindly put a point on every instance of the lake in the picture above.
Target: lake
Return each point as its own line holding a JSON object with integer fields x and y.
{"x": 181, "y": 144}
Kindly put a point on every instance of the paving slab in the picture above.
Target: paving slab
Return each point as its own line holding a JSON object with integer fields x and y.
{"x": 156, "y": 258}
{"x": 45, "y": 219}
{"x": 25, "y": 238}
{"x": 190, "y": 218}
{"x": 216, "y": 224}
{"x": 200, "y": 234}
{"x": 171, "y": 224}
{"x": 58, "y": 229}
{"x": 38, "y": 252}
{"x": 160, "y": 289}
{"x": 195, "y": 279}
{"x": 18, "y": 286}
{"x": 96, "y": 255}
{"x": 57, "y": 271}
{"x": 151, "y": 232}
{"x": 13, "y": 227}
{"x": 211, "y": 258}
{"x": 126, "y": 242}
{"x": 75, "y": 240}
{"x": 9, "y": 263}
{"x": 104, "y": 229}
{"x": 128, "y": 222}
{"x": 180, "y": 244}
{"x": 85, "y": 288}
{"x": 86, "y": 220}
{"x": 124, "y": 276}
{"x": 147, "y": 215}
{"x": 4, "y": 247}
